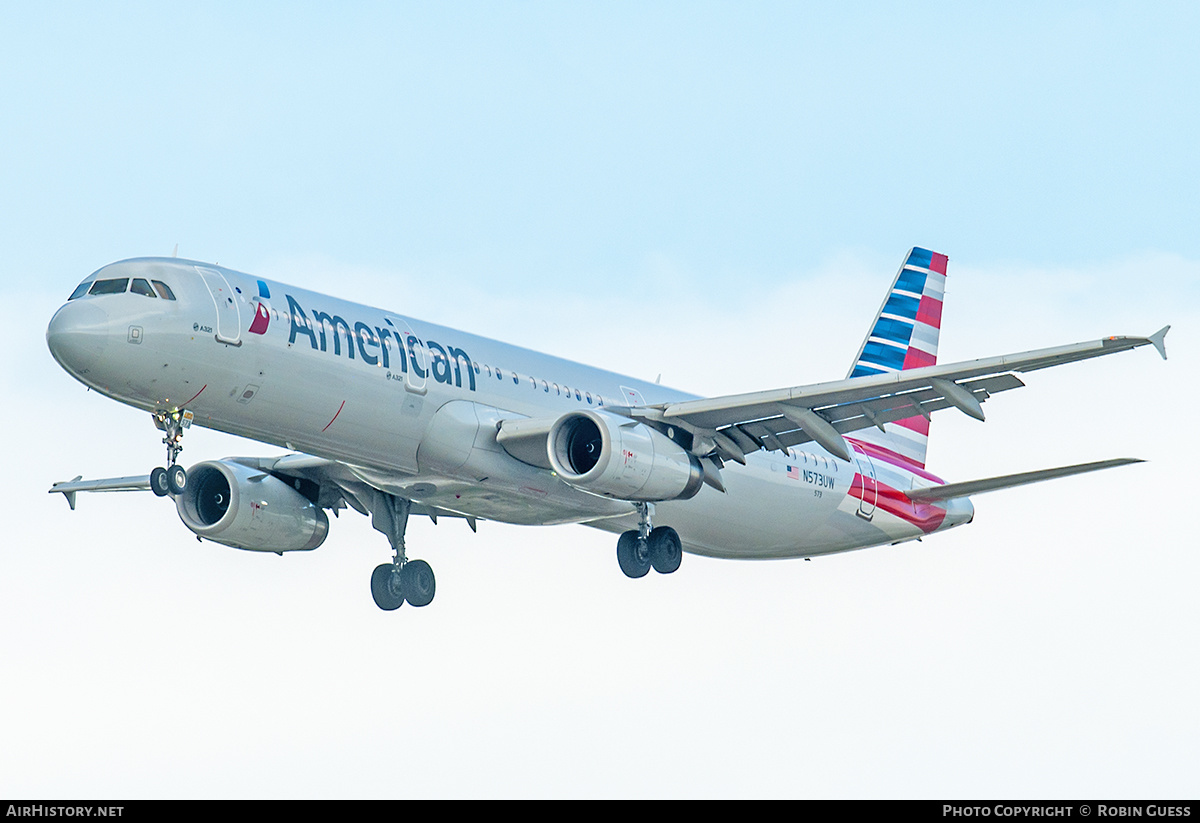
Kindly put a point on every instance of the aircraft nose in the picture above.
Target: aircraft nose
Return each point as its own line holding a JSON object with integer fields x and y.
{"x": 78, "y": 335}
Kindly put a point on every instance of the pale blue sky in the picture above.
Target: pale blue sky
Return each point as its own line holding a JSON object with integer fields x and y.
{"x": 654, "y": 188}
{"x": 525, "y": 138}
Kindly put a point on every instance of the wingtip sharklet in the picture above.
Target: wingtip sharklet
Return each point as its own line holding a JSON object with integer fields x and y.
{"x": 1158, "y": 340}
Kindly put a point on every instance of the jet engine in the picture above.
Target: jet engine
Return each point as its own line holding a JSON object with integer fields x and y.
{"x": 233, "y": 504}
{"x": 621, "y": 458}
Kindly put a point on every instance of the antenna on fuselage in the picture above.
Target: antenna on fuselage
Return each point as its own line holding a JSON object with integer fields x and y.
{"x": 176, "y": 252}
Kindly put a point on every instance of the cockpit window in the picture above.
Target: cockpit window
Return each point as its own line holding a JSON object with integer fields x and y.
{"x": 116, "y": 286}
{"x": 141, "y": 287}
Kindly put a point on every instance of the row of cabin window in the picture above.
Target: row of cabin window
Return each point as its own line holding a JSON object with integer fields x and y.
{"x": 480, "y": 369}
{"x": 824, "y": 462}
{"x": 564, "y": 391}
{"x": 152, "y": 288}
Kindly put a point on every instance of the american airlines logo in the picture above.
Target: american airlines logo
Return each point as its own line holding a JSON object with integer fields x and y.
{"x": 376, "y": 345}
{"x": 262, "y": 319}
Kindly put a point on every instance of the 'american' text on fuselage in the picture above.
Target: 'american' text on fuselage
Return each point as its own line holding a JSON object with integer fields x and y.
{"x": 446, "y": 365}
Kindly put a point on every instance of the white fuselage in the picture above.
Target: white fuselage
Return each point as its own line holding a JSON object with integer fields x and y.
{"x": 413, "y": 408}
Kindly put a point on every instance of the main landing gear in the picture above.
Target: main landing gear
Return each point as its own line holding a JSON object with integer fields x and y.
{"x": 413, "y": 581}
{"x": 644, "y": 547}
{"x": 401, "y": 580}
{"x": 173, "y": 479}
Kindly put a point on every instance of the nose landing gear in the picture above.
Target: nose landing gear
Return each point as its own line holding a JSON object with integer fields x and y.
{"x": 171, "y": 480}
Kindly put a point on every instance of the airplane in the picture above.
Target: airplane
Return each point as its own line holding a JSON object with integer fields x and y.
{"x": 394, "y": 417}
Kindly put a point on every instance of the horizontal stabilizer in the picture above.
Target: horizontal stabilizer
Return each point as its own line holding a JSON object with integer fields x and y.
{"x": 951, "y": 490}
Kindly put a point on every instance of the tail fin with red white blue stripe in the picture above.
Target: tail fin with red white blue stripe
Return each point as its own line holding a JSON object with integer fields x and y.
{"x": 905, "y": 336}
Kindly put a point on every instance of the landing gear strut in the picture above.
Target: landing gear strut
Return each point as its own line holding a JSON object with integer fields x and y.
{"x": 646, "y": 547}
{"x": 402, "y": 579}
{"x": 173, "y": 479}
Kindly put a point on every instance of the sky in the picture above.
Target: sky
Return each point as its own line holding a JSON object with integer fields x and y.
{"x": 716, "y": 193}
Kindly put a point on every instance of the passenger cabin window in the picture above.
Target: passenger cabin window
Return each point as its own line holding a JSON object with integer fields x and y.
{"x": 116, "y": 286}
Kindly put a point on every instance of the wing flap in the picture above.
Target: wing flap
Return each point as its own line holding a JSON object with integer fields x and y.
{"x": 877, "y": 411}
{"x": 780, "y": 432}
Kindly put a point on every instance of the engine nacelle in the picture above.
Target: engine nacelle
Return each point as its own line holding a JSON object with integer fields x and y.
{"x": 246, "y": 508}
{"x": 617, "y": 457}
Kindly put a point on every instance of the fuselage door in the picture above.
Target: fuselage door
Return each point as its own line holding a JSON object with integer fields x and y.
{"x": 870, "y": 489}
{"x": 414, "y": 360}
{"x": 225, "y": 300}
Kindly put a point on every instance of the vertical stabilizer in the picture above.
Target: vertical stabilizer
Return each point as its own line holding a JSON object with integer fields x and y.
{"x": 905, "y": 336}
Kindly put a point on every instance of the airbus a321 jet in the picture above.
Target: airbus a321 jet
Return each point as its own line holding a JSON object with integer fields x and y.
{"x": 396, "y": 417}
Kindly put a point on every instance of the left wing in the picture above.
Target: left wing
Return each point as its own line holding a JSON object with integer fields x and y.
{"x": 736, "y": 425}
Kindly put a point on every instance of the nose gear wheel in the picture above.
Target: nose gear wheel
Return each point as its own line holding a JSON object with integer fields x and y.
{"x": 171, "y": 480}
